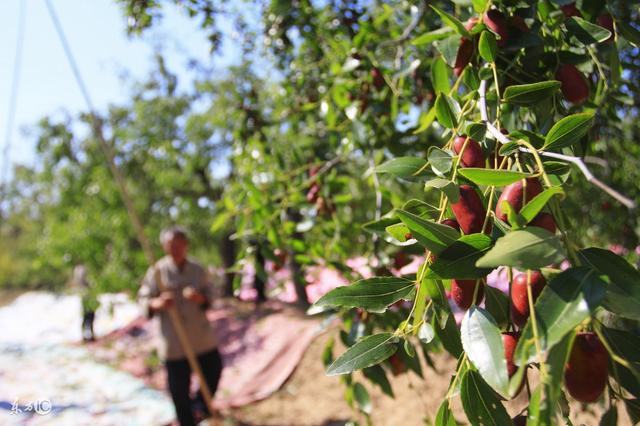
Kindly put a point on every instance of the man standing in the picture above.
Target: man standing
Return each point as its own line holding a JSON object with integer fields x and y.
{"x": 185, "y": 286}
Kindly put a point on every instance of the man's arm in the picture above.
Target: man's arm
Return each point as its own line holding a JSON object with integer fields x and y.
{"x": 149, "y": 296}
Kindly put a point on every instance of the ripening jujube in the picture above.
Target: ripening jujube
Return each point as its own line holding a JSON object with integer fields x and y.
{"x": 574, "y": 86}
{"x": 469, "y": 210}
{"x": 586, "y": 373}
{"x": 517, "y": 195}
{"x": 520, "y": 296}
{"x": 472, "y": 156}
{"x": 462, "y": 292}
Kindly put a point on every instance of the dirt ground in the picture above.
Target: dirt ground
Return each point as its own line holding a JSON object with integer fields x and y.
{"x": 310, "y": 398}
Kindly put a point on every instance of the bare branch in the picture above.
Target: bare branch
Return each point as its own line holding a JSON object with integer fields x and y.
{"x": 627, "y": 202}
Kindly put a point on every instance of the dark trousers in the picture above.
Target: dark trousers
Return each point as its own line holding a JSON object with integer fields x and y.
{"x": 179, "y": 379}
{"x": 87, "y": 325}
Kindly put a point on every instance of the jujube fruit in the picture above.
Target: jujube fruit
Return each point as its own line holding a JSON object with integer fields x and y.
{"x": 496, "y": 22}
{"x": 397, "y": 365}
{"x": 473, "y": 156}
{"x": 573, "y": 83}
{"x": 570, "y": 10}
{"x": 510, "y": 341}
{"x": 451, "y": 223}
{"x": 516, "y": 195}
{"x": 469, "y": 210}
{"x": 520, "y": 297}
{"x": 462, "y": 292}
{"x": 465, "y": 52}
{"x": 585, "y": 376}
{"x": 544, "y": 220}
{"x": 606, "y": 21}
{"x": 377, "y": 78}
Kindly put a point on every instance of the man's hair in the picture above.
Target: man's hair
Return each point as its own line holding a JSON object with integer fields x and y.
{"x": 171, "y": 232}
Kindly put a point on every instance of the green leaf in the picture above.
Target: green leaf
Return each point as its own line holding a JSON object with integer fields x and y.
{"x": 480, "y": 403}
{"x": 530, "y": 248}
{"x": 492, "y": 177}
{"x": 476, "y": 131}
{"x": 452, "y": 22}
{"x": 623, "y": 343}
{"x": 430, "y": 37}
{"x": 488, "y": 47}
{"x": 623, "y": 292}
{"x": 377, "y": 375}
{"x": 440, "y": 160}
{"x": 362, "y": 398}
{"x": 459, "y": 259}
{"x": 568, "y": 130}
{"x": 433, "y": 236}
{"x": 403, "y": 167}
{"x": 446, "y": 111}
{"x": 440, "y": 76}
{"x": 449, "y": 336}
{"x": 372, "y": 294}
{"x": 564, "y": 303}
{"x": 419, "y": 207}
{"x": 482, "y": 342}
{"x": 420, "y": 304}
{"x": 509, "y": 148}
{"x": 479, "y": 5}
{"x": 448, "y": 48}
{"x": 425, "y": 121}
{"x": 585, "y": 31}
{"x": 530, "y": 94}
{"x": 444, "y": 417}
{"x": 470, "y": 78}
{"x": 379, "y": 226}
{"x": 436, "y": 292}
{"x": 533, "y": 207}
{"x": 497, "y": 304}
{"x": 629, "y": 32}
{"x": 610, "y": 418}
{"x": 449, "y": 188}
{"x": 556, "y": 361}
{"x": 398, "y": 231}
{"x": 369, "y": 351}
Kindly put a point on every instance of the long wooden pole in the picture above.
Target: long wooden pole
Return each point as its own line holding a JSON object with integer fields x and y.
{"x": 133, "y": 215}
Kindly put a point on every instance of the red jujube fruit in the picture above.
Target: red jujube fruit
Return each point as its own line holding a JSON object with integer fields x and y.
{"x": 573, "y": 84}
{"x": 516, "y": 195}
{"x": 473, "y": 156}
{"x": 469, "y": 210}
{"x": 585, "y": 376}
{"x": 520, "y": 297}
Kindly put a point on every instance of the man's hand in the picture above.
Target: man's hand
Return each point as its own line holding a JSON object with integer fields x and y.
{"x": 193, "y": 295}
{"x": 162, "y": 302}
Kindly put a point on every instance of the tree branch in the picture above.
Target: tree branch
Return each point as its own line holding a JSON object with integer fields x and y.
{"x": 627, "y": 202}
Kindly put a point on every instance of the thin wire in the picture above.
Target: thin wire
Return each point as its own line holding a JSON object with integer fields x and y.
{"x": 70, "y": 57}
{"x": 13, "y": 99}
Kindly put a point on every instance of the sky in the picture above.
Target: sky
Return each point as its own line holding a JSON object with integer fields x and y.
{"x": 96, "y": 33}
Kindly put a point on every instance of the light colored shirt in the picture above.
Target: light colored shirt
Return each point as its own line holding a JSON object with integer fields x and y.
{"x": 193, "y": 316}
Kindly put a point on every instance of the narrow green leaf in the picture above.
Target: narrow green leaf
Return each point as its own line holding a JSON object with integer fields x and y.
{"x": 430, "y": 37}
{"x": 446, "y": 111}
{"x": 452, "y": 22}
{"x": 433, "y": 236}
{"x": 476, "y": 131}
{"x": 379, "y": 226}
{"x": 440, "y": 76}
{"x": 420, "y": 304}
{"x": 377, "y": 376}
{"x": 623, "y": 292}
{"x": 403, "y": 167}
{"x": 585, "y": 31}
{"x": 367, "y": 352}
{"x": 530, "y": 94}
{"x": 492, "y": 177}
{"x": 488, "y": 47}
{"x": 440, "y": 160}
{"x": 480, "y": 403}
{"x": 372, "y": 294}
{"x": 533, "y": 207}
{"x": 556, "y": 362}
{"x": 564, "y": 303}
{"x": 449, "y": 336}
{"x": 448, "y": 48}
{"x": 568, "y": 130}
{"x": 497, "y": 304}
{"x": 398, "y": 231}
{"x": 482, "y": 341}
{"x": 362, "y": 398}
{"x": 530, "y": 248}
{"x": 444, "y": 417}
{"x": 479, "y": 5}
{"x": 459, "y": 259}
{"x": 629, "y": 32}
{"x": 425, "y": 121}
{"x": 449, "y": 188}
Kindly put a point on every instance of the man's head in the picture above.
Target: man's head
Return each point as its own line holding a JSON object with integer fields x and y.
{"x": 175, "y": 243}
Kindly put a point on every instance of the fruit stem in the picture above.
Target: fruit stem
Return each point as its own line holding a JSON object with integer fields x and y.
{"x": 534, "y": 327}
{"x": 488, "y": 214}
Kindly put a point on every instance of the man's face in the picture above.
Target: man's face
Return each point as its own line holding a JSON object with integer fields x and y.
{"x": 176, "y": 247}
